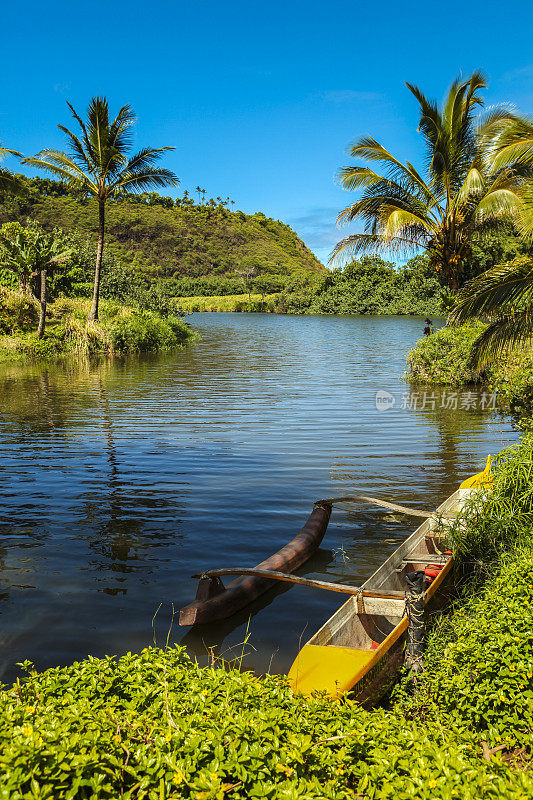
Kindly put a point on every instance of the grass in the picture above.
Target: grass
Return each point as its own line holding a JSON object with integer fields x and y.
{"x": 230, "y": 302}
{"x": 156, "y": 725}
{"x": 120, "y": 329}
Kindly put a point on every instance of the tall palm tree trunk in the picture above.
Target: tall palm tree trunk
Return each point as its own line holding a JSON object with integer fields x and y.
{"x": 93, "y": 313}
{"x": 42, "y": 315}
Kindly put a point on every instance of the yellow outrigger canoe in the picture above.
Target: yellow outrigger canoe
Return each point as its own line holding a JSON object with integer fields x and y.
{"x": 360, "y": 648}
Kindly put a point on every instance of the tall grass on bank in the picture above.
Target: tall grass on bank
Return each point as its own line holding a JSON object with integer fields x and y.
{"x": 229, "y": 302}
{"x": 499, "y": 518}
{"x": 120, "y": 329}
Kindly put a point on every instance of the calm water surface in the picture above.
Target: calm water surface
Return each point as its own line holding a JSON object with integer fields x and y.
{"x": 120, "y": 480}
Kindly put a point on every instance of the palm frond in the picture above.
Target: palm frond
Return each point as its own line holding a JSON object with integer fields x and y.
{"x": 148, "y": 178}
{"x": 144, "y": 158}
{"x": 120, "y": 135}
{"x": 506, "y": 333}
{"x": 504, "y": 286}
{"x": 6, "y": 151}
{"x": 351, "y": 177}
{"x": 514, "y": 143}
{"x": 78, "y": 151}
{"x": 63, "y": 167}
{"x": 499, "y": 203}
{"x": 359, "y": 243}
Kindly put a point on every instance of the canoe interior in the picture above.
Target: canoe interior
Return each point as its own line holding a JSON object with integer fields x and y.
{"x": 361, "y": 623}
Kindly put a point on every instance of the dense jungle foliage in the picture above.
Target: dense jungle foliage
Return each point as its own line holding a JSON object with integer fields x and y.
{"x": 167, "y": 238}
{"x": 158, "y": 249}
{"x": 155, "y": 725}
{"x": 444, "y": 359}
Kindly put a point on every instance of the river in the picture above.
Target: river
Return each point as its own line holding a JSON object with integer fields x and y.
{"x": 119, "y": 480}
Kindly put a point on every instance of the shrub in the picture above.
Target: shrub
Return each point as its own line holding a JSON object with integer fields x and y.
{"x": 143, "y": 331}
{"x": 17, "y": 312}
{"x": 501, "y": 518}
{"x": 442, "y": 358}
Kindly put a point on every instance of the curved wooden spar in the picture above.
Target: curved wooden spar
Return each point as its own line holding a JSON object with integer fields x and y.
{"x": 288, "y": 578}
{"x": 357, "y": 498}
{"x": 215, "y": 602}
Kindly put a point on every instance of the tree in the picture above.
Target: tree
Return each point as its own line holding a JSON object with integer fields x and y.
{"x": 30, "y": 252}
{"x": 98, "y": 164}
{"x": 247, "y": 273}
{"x": 50, "y": 251}
{"x": 461, "y": 199}
{"x": 8, "y": 181}
{"x": 16, "y": 254}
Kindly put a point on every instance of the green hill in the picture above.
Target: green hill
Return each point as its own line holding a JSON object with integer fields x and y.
{"x": 170, "y": 238}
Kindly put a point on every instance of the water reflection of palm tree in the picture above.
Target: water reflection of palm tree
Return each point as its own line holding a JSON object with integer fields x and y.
{"x": 116, "y": 510}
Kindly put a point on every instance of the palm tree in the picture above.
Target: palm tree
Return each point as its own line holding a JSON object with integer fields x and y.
{"x": 8, "y": 181}
{"x": 503, "y": 296}
{"x": 97, "y": 164}
{"x": 513, "y": 147}
{"x": 30, "y": 252}
{"x": 457, "y": 200}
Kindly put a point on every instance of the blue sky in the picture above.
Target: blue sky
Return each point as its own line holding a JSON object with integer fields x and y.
{"x": 259, "y": 99}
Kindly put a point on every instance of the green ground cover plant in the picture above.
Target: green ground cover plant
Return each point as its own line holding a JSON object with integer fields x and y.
{"x": 156, "y": 725}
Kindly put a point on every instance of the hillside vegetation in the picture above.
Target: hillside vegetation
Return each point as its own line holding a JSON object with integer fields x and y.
{"x": 168, "y": 238}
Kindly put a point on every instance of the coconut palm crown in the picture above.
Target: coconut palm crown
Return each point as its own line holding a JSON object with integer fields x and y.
{"x": 98, "y": 163}
{"x": 458, "y": 199}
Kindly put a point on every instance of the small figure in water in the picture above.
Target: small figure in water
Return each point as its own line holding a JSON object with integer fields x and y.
{"x": 428, "y": 328}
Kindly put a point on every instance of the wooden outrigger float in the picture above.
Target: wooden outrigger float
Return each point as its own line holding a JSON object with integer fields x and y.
{"x": 360, "y": 648}
{"x": 214, "y": 601}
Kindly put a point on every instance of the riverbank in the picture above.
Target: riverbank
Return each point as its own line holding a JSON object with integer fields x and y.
{"x": 442, "y": 359}
{"x": 229, "y": 302}
{"x": 120, "y": 329}
{"x": 156, "y": 725}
